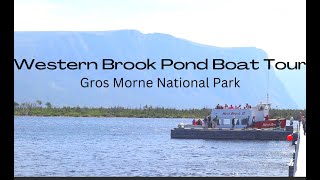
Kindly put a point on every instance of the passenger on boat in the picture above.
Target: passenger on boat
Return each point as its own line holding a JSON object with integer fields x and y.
{"x": 194, "y": 122}
{"x": 215, "y": 121}
{"x": 231, "y": 107}
{"x": 253, "y": 121}
{"x": 277, "y": 123}
{"x": 248, "y": 122}
{"x": 233, "y": 122}
{"x": 199, "y": 122}
{"x": 205, "y": 121}
{"x": 209, "y": 122}
{"x": 267, "y": 117}
{"x": 219, "y": 107}
{"x": 226, "y": 106}
{"x": 247, "y": 106}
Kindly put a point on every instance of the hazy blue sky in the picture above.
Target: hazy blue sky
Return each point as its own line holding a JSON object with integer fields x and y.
{"x": 278, "y": 27}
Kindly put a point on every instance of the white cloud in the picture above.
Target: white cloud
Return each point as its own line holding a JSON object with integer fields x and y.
{"x": 55, "y": 86}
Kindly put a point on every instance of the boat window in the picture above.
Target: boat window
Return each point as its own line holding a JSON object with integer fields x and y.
{"x": 226, "y": 121}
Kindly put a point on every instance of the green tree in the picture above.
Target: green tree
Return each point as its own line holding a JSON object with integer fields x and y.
{"x": 39, "y": 102}
{"x": 16, "y": 105}
{"x": 48, "y": 104}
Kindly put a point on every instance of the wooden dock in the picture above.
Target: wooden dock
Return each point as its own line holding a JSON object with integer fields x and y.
{"x": 300, "y": 170}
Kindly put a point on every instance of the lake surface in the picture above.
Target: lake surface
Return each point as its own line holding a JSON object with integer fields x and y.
{"x": 66, "y": 146}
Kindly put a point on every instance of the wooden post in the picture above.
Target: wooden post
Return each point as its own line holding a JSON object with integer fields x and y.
{"x": 291, "y": 168}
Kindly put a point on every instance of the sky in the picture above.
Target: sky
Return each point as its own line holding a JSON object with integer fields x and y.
{"x": 277, "y": 27}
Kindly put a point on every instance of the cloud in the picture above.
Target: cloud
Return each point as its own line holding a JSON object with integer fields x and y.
{"x": 54, "y": 86}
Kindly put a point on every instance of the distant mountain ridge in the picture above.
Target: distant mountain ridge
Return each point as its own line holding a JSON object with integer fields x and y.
{"x": 63, "y": 87}
{"x": 295, "y": 82}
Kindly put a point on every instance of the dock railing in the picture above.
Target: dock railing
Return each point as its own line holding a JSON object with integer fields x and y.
{"x": 293, "y": 162}
{"x": 297, "y": 149}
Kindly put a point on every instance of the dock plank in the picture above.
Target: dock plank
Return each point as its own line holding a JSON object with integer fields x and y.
{"x": 301, "y": 158}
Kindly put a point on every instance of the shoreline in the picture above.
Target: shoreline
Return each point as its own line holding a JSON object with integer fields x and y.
{"x": 145, "y": 112}
{"x": 107, "y": 117}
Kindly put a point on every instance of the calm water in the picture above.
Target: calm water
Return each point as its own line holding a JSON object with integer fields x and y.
{"x": 60, "y": 146}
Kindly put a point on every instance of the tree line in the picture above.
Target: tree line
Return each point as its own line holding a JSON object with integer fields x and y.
{"x": 147, "y": 111}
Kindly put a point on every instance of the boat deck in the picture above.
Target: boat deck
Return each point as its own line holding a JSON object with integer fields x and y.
{"x": 231, "y": 134}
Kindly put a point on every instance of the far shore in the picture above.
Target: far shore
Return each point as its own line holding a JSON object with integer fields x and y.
{"x": 107, "y": 117}
{"x": 39, "y": 110}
